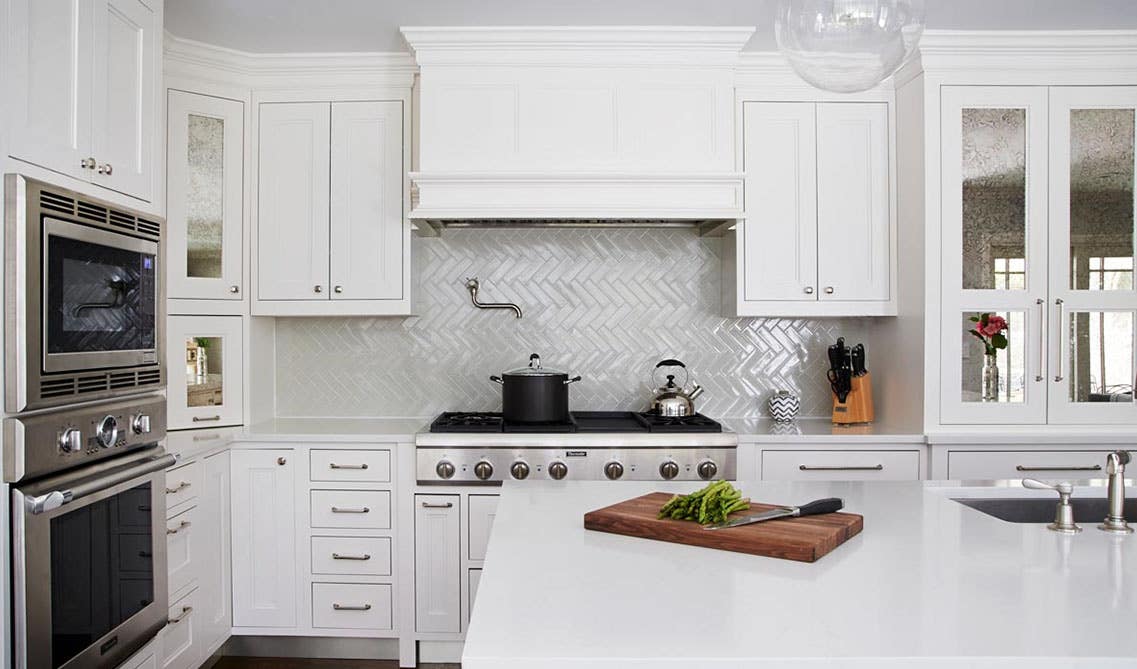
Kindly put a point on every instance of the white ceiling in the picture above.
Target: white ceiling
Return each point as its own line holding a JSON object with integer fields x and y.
{"x": 276, "y": 26}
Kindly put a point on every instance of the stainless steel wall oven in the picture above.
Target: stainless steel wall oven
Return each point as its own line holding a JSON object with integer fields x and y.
{"x": 85, "y": 316}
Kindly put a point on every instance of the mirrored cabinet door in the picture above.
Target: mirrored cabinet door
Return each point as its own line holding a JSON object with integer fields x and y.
{"x": 204, "y": 196}
{"x": 1092, "y": 297}
{"x": 994, "y": 270}
{"x": 205, "y": 369}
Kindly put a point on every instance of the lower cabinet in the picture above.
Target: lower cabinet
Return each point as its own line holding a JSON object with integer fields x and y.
{"x": 215, "y": 610}
{"x": 264, "y": 538}
{"x": 841, "y": 465}
{"x": 182, "y": 643}
{"x": 438, "y": 563}
{"x": 365, "y": 606}
{"x": 147, "y": 657}
{"x": 990, "y": 465}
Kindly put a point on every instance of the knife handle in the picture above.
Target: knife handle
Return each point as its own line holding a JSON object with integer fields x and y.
{"x": 817, "y": 506}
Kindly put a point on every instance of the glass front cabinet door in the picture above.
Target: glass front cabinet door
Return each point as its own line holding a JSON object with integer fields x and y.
{"x": 204, "y": 196}
{"x": 205, "y": 369}
{"x": 1037, "y": 299}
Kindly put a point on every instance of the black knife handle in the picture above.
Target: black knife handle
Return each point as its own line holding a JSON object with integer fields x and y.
{"x": 817, "y": 506}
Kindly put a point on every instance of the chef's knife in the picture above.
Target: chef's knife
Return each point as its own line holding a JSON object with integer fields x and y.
{"x": 858, "y": 356}
{"x": 817, "y": 506}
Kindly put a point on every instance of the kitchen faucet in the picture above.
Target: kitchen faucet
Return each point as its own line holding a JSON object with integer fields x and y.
{"x": 1115, "y": 466}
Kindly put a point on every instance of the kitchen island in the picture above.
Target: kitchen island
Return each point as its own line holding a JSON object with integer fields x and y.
{"x": 928, "y": 583}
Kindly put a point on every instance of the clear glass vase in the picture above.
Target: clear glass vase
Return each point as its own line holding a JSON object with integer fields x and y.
{"x": 990, "y": 378}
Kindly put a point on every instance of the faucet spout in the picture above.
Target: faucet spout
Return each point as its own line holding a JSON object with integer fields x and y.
{"x": 1115, "y": 467}
{"x": 472, "y": 286}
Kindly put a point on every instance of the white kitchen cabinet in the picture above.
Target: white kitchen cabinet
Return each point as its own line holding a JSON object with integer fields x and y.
{"x": 818, "y": 235}
{"x": 265, "y": 574}
{"x": 963, "y": 465}
{"x": 205, "y": 368}
{"x": 330, "y": 230}
{"x": 1037, "y": 225}
{"x": 184, "y": 550}
{"x": 145, "y": 658}
{"x": 181, "y": 640}
{"x": 483, "y": 510}
{"x": 204, "y": 196}
{"x": 81, "y": 92}
{"x": 438, "y": 578}
{"x": 367, "y": 606}
{"x": 216, "y": 596}
{"x": 842, "y": 465}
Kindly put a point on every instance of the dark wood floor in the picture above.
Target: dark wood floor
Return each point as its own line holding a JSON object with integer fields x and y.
{"x": 294, "y": 663}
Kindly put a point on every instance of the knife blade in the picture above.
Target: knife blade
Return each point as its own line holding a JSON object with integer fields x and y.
{"x": 816, "y": 507}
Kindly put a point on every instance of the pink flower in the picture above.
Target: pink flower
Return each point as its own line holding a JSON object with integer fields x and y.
{"x": 995, "y": 325}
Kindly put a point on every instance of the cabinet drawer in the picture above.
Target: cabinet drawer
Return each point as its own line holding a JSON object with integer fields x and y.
{"x": 182, "y": 549}
{"x": 482, "y": 510}
{"x": 180, "y": 645}
{"x": 345, "y": 465}
{"x": 351, "y": 606}
{"x": 182, "y": 484}
{"x": 984, "y": 465}
{"x": 840, "y": 465}
{"x": 356, "y": 509}
{"x": 368, "y": 556}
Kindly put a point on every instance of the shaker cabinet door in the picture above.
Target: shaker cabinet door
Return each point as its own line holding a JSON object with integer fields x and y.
{"x": 293, "y": 170}
{"x": 205, "y": 369}
{"x": 438, "y": 564}
{"x": 216, "y": 595}
{"x": 265, "y": 575}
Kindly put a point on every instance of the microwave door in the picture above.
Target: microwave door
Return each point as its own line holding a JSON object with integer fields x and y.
{"x": 89, "y": 565}
{"x": 100, "y": 298}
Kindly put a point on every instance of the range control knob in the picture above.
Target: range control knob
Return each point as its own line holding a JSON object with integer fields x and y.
{"x": 71, "y": 441}
{"x": 483, "y": 470}
{"x": 707, "y": 469}
{"x": 140, "y": 424}
{"x": 107, "y": 434}
{"x": 669, "y": 469}
{"x": 519, "y": 470}
{"x": 613, "y": 470}
{"x": 444, "y": 469}
{"x": 558, "y": 470}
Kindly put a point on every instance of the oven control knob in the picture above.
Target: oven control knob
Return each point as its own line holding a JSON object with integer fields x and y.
{"x": 140, "y": 424}
{"x": 669, "y": 470}
{"x": 519, "y": 470}
{"x": 483, "y": 470}
{"x": 707, "y": 469}
{"x": 444, "y": 469}
{"x": 71, "y": 441}
{"x": 558, "y": 470}
{"x": 107, "y": 433}
{"x": 613, "y": 470}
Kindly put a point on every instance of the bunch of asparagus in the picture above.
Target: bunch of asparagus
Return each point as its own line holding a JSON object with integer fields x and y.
{"x": 710, "y": 505}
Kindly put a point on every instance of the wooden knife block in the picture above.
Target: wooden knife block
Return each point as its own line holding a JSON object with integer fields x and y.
{"x": 857, "y": 407}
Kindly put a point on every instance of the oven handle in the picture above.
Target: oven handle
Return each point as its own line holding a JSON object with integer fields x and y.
{"x": 57, "y": 498}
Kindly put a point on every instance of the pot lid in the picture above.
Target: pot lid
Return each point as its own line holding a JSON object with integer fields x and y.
{"x": 535, "y": 369}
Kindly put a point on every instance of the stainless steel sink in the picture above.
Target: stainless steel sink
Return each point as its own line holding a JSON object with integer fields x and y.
{"x": 1041, "y": 509}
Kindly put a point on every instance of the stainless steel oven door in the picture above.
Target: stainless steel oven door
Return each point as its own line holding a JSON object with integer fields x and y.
{"x": 89, "y": 563}
{"x": 100, "y": 298}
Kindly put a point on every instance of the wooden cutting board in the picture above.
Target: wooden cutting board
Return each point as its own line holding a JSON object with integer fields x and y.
{"x": 802, "y": 539}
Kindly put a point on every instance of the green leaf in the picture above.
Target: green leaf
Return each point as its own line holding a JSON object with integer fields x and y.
{"x": 974, "y": 319}
{"x": 978, "y": 336}
{"x": 983, "y": 318}
{"x": 999, "y": 341}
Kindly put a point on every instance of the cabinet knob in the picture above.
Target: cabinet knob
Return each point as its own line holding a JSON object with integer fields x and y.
{"x": 234, "y": 289}
{"x": 88, "y": 163}
{"x": 829, "y": 290}
{"x": 281, "y": 461}
{"x": 318, "y": 288}
{"x": 809, "y": 290}
{"x": 106, "y": 168}
{"x": 338, "y": 289}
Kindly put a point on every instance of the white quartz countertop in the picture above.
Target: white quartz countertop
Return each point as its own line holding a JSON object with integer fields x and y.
{"x": 336, "y": 429}
{"x": 928, "y": 583}
{"x": 821, "y": 431}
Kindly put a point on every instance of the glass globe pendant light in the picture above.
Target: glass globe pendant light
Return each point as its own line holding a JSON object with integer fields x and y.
{"x": 847, "y": 46}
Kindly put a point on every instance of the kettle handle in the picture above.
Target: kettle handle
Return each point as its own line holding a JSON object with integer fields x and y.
{"x": 670, "y": 362}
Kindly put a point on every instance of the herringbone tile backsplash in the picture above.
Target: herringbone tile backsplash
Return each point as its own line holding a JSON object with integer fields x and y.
{"x": 605, "y": 304}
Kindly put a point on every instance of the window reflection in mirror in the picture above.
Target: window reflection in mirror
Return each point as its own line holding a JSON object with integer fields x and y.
{"x": 203, "y": 371}
{"x": 1101, "y": 356}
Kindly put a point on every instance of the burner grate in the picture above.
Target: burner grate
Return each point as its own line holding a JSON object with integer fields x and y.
{"x": 579, "y": 421}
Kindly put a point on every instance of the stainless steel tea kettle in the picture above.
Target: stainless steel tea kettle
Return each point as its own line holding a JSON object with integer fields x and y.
{"x": 671, "y": 399}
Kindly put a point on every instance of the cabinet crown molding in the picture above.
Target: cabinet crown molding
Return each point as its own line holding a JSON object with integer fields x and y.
{"x": 1028, "y": 50}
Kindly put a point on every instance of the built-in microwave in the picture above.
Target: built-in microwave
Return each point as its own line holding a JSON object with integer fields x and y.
{"x": 84, "y": 289}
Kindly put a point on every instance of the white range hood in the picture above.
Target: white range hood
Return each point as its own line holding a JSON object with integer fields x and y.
{"x": 576, "y": 125}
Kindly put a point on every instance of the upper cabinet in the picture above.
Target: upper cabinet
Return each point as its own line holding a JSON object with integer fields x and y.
{"x": 82, "y": 83}
{"x": 331, "y": 235}
{"x": 205, "y": 176}
{"x": 1037, "y": 224}
{"x": 818, "y": 236}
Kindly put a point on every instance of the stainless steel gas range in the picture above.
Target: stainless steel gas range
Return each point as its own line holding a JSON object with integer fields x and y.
{"x": 481, "y": 448}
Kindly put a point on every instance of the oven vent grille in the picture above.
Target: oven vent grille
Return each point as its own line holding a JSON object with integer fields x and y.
{"x": 63, "y": 386}
{"x": 96, "y": 213}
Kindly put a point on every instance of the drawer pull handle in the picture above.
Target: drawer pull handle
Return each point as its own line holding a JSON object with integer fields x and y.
{"x": 205, "y": 419}
{"x": 181, "y": 526}
{"x": 145, "y": 554}
{"x": 362, "y": 509}
{"x": 186, "y": 610}
{"x": 206, "y": 437}
{"x": 178, "y": 488}
{"x": 144, "y": 508}
{"x": 335, "y": 466}
{"x": 445, "y": 505}
{"x": 809, "y": 468}
{"x": 337, "y": 556}
{"x": 343, "y": 607}
{"x": 1081, "y": 468}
